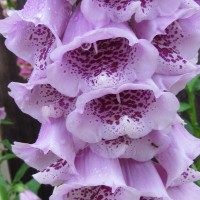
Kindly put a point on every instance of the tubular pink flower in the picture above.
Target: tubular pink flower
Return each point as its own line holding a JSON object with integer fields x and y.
{"x": 102, "y": 178}
{"x": 148, "y": 29}
{"x": 178, "y": 48}
{"x": 131, "y": 110}
{"x": 181, "y": 68}
{"x": 177, "y": 45}
{"x": 183, "y": 187}
{"x": 178, "y": 157}
{"x": 93, "y": 58}
{"x": 53, "y": 153}
{"x": 39, "y": 31}
{"x": 41, "y": 100}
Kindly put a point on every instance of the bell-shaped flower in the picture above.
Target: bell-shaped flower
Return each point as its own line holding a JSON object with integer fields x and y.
{"x": 183, "y": 187}
{"x": 53, "y": 153}
{"x": 33, "y": 32}
{"x": 148, "y": 29}
{"x": 177, "y": 45}
{"x": 41, "y": 100}
{"x": 131, "y": 109}
{"x": 120, "y": 11}
{"x": 179, "y": 156}
{"x": 93, "y": 58}
{"x": 101, "y": 178}
{"x": 178, "y": 50}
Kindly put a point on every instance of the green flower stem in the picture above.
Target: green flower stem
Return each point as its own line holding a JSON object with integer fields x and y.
{"x": 191, "y": 91}
{"x": 3, "y": 193}
{"x": 192, "y": 111}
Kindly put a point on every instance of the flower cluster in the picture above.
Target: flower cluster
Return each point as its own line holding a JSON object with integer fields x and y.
{"x": 103, "y": 86}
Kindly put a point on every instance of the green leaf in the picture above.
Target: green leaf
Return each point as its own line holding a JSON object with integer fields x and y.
{"x": 184, "y": 107}
{"x": 4, "y": 182}
{"x": 6, "y": 122}
{"x": 20, "y": 173}
{"x": 7, "y": 157}
{"x": 191, "y": 85}
{"x": 33, "y": 185}
{"x": 3, "y": 193}
{"x": 198, "y": 183}
{"x": 18, "y": 188}
{"x": 16, "y": 197}
{"x": 7, "y": 144}
{"x": 189, "y": 127}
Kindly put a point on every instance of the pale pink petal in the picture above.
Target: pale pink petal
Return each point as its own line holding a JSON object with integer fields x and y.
{"x": 41, "y": 100}
{"x": 185, "y": 192}
{"x": 148, "y": 29}
{"x": 28, "y": 195}
{"x": 188, "y": 176}
{"x": 180, "y": 154}
{"x": 53, "y": 153}
{"x": 56, "y": 173}
{"x": 175, "y": 83}
{"x": 144, "y": 177}
{"x": 118, "y": 11}
{"x": 141, "y": 149}
{"x": 75, "y": 191}
{"x": 33, "y": 156}
{"x": 107, "y": 11}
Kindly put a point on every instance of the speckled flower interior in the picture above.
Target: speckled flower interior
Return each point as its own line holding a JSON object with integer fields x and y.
{"x": 105, "y": 75}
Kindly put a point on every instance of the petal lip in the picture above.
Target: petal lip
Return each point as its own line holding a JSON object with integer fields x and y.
{"x": 111, "y": 31}
{"x": 176, "y": 83}
{"x": 185, "y": 192}
{"x": 142, "y": 149}
{"x": 116, "y": 12}
{"x": 143, "y": 85}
